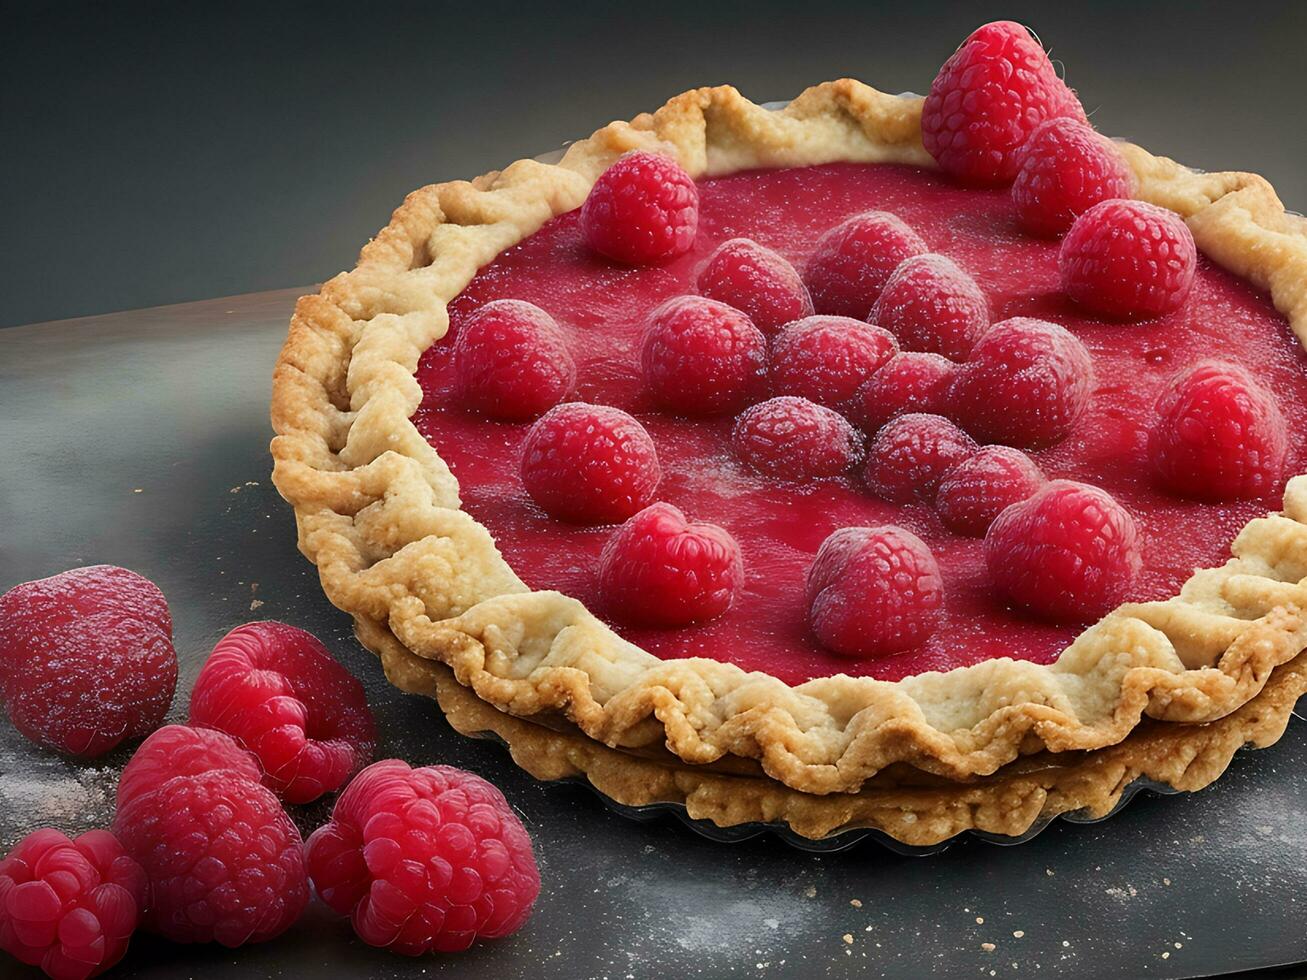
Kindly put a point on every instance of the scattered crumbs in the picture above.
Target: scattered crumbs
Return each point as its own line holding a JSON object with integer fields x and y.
{"x": 1065, "y": 943}
{"x": 138, "y": 490}
{"x": 1166, "y": 882}
{"x": 848, "y": 938}
{"x": 856, "y": 902}
{"x": 1019, "y": 934}
{"x": 868, "y": 929}
{"x": 810, "y": 891}
{"x": 255, "y": 604}
{"x": 980, "y": 920}
{"x": 1049, "y": 872}
{"x": 1179, "y": 945}
{"x": 988, "y": 947}
{"x": 1166, "y": 956}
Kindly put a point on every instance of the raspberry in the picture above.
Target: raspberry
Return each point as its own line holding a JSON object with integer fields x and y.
{"x": 1069, "y": 552}
{"x": 987, "y": 99}
{"x": 851, "y": 263}
{"x": 795, "y": 439}
{"x": 589, "y": 464}
{"x": 701, "y": 357}
{"x": 224, "y": 861}
{"x": 756, "y": 281}
{"x": 278, "y": 692}
{"x": 909, "y": 382}
{"x": 931, "y": 305}
{"x": 86, "y": 658}
{"x": 1026, "y": 383}
{"x": 827, "y": 358}
{"x": 424, "y": 859}
{"x": 179, "y": 750}
{"x": 911, "y": 453}
{"x": 642, "y": 209}
{"x": 511, "y": 361}
{"x": 874, "y": 591}
{"x": 1063, "y": 170}
{"x": 977, "y": 490}
{"x": 69, "y": 906}
{"x": 658, "y": 569}
{"x": 1128, "y": 260}
{"x": 1218, "y": 434}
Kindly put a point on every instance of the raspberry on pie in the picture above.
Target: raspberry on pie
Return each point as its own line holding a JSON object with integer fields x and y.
{"x": 701, "y": 357}
{"x": 758, "y": 282}
{"x": 907, "y": 382}
{"x": 512, "y": 361}
{"x": 643, "y": 209}
{"x": 1047, "y": 599}
{"x": 1063, "y": 170}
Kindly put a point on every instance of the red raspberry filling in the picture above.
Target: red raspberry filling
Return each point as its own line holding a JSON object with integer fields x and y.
{"x": 86, "y": 658}
{"x": 69, "y": 906}
{"x": 1025, "y": 384}
{"x": 658, "y": 569}
{"x": 1063, "y": 170}
{"x": 795, "y": 439}
{"x": 225, "y": 863}
{"x": 1219, "y": 435}
{"x": 979, "y": 488}
{"x": 986, "y": 101}
{"x": 590, "y": 464}
{"x": 851, "y": 263}
{"x": 910, "y": 455}
{"x": 1129, "y": 260}
{"x": 780, "y": 524}
{"x": 512, "y": 361}
{"x": 643, "y": 209}
{"x": 701, "y": 357}
{"x": 756, "y": 281}
{"x": 931, "y": 305}
{"x": 826, "y": 359}
{"x": 278, "y": 692}
{"x": 908, "y": 382}
{"x": 873, "y": 592}
{"x": 1069, "y": 552}
{"x": 424, "y": 860}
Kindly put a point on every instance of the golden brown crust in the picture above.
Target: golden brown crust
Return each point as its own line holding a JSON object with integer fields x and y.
{"x": 913, "y": 808}
{"x": 378, "y": 510}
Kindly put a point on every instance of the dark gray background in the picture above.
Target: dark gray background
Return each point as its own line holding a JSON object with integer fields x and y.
{"x": 160, "y": 152}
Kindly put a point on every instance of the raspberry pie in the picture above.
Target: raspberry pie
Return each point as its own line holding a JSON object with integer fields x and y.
{"x": 823, "y": 446}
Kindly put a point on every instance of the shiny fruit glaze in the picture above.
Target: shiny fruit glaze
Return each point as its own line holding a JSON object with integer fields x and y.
{"x": 601, "y": 307}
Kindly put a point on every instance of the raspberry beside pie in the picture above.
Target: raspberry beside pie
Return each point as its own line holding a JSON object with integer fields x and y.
{"x": 809, "y": 594}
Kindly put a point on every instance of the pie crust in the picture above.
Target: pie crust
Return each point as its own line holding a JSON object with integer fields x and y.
{"x": 378, "y": 511}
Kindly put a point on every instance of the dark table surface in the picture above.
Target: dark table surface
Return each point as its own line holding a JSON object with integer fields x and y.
{"x": 141, "y": 439}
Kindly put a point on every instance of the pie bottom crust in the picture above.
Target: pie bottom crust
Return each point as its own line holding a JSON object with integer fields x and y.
{"x": 912, "y": 807}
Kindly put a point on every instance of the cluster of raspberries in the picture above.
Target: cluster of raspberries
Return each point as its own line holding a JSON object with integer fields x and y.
{"x": 201, "y": 848}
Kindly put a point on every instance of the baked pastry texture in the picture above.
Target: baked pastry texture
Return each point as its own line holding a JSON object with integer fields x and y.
{"x": 378, "y": 511}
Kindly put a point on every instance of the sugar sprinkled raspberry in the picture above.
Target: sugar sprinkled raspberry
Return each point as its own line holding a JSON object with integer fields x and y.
{"x": 851, "y": 263}
{"x": 987, "y": 99}
{"x": 1128, "y": 260}
{"x": 911, "y": 453}
{"x": 827, "y": 358}
{"x": 179, "y": 750}
{"x": 795, "y": 439}
{"x": 908, "y": 382}
{"x": 756, "y": 281}
{"x": 1025, "y": 384}
{"x": 642, "y": 209}
{"x": 1218, "y": 434}
{"x": 931, "y": 305}
{"x": 979, "y": 488}
{"x": 701, "y": 357}
{"x": 658, "y": 569}
{"x": 278, "y": 692}
{"x": 874, "y": 591}
{"x": 86, "y": 658}
{"x": 69, "y": 906}
{"x": 1063, "y": 170}
{"x": 1070, "y": 552}
{"x": 424, "y": 860}
{"x": 590, "y": 464}
{"x": 511, "y": 361}
{"x": 224, "y": 861}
